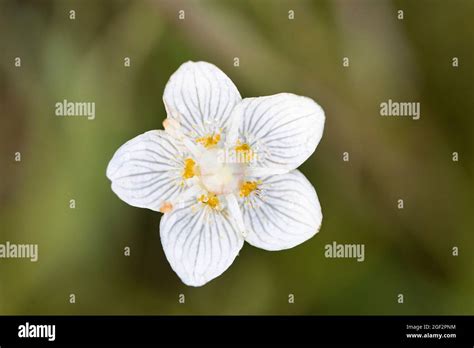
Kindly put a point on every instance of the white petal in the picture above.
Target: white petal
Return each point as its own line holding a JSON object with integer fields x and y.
{"x": 283, "y": 129}
{"x": 200, "y": 242}
{"x": 283, "y": 212}
{"x": 147, "y": 170}
{"x": 201, "y": 98}
{"x": 264, "y": 171}
{"x": 236, "y": 213}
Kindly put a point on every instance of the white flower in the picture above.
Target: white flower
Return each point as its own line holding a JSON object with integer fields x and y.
{"x": 210, "y": 205}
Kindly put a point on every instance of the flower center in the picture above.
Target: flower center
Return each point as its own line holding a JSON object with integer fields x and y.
{"x": 248, "y": 187}
{"x": 219, "y": 176}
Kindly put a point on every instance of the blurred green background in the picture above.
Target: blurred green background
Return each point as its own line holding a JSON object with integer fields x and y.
{"x": 81, "y": 250}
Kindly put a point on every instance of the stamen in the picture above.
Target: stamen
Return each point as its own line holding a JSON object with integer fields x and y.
{"x": 248, "y": 187}
{"x": 211, "y": 200}
{"x": 172, "y": 127}
{"x": 209, "y": 141}
{"x": 185, "y": 195}
{"x": 189, "y": 171}
{"x": 244, "y": 150}
{"x": 166, "y": 207}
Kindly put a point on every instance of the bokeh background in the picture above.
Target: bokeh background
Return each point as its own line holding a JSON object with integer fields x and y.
{"x": 81, "y": 251}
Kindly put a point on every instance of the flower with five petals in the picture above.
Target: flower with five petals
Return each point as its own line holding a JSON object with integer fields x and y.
{"x": 223, "y": 171}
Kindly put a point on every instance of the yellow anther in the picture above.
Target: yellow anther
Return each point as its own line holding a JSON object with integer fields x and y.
{"x": 244, "y": 151}
{"x": 210, "y": 140}
{"x": 166, "y": 207}
{"x": 211, "y": 200}
{"x": 189, "y": 165}
{"x": 248, "y": 187}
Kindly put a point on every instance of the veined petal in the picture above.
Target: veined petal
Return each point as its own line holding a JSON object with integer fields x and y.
{"x": 201, "y": 98}
{"x": 283, "y": 130}
{"x": 236, "y": 213}
{"x": 147, "y": 171}
{"x": 281, "y": 212}
{"x": 200, "y": 241}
